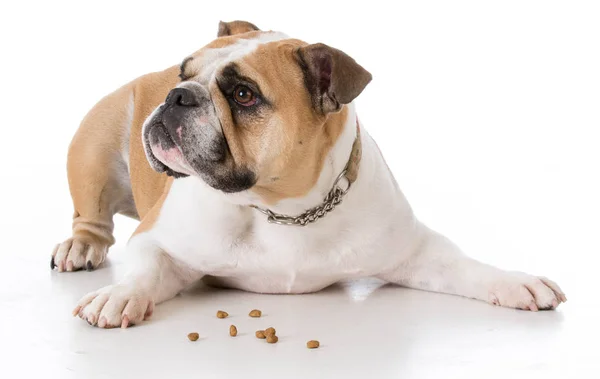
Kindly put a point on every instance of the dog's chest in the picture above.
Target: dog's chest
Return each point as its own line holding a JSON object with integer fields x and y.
{"x": 238, "y": 245}
{"x": 267, "y": 260}
{"x": 284, "y": 262}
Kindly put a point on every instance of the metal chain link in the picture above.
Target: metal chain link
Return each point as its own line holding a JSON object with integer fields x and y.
{"x": 333, "y": 199}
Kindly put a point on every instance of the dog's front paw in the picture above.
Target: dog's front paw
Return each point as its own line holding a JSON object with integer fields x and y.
{"x": 522, "y": 291}
{"x": 114, "y": 306}
{"x": 77, "y": 253}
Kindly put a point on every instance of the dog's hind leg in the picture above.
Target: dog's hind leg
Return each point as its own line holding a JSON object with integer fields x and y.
{"x": 436, "y": 264}
{"x": 97, "y": 169}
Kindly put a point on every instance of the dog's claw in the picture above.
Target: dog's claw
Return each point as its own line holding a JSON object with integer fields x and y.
{"x": 533, "y": 307}
{"x": 76, "y": 311}
{"x": 52, "y": 264}
{"x": 89, "y": 266}
{"x": 125, "y": 322}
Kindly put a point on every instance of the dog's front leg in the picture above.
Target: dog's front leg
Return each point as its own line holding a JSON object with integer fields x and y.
{"x": 436, "y": 264}
{"x": 155, "y": 277}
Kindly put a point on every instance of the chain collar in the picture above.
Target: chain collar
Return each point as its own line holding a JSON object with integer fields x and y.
{"x": 333, "y": 198}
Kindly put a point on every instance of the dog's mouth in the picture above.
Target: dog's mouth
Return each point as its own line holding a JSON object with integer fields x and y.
{"x": 183, "y": 143}
{"x": 168, "y": 156}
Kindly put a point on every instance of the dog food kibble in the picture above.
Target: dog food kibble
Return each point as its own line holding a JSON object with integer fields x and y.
{"x": 260, "y": 334}
{"x": 193, "y": 336}
{"x": 232, "y": 331}
{"x": 255, "y": 313}
{"x": 272, "y": 338}
{"x": 269, "y": 331}
{"x": 312, "y": 344}
{"x": 222, "y": 314}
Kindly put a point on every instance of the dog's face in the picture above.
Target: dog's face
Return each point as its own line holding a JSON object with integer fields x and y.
{"x": 254, "y": 111}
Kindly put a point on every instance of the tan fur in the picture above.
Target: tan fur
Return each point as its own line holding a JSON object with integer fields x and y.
{"x": 151, "y": 216}
{"x": 97, "y": 180}
{"x": 96, "y": 149}
{"x": 150, "y": 91}
{"x": 299, "y": 175}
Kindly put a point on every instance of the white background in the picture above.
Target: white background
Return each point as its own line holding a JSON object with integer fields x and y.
{"x": 487, "y": 113}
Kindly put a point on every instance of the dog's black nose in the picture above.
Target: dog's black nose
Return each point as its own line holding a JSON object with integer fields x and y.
{"x": 181, "y": 96}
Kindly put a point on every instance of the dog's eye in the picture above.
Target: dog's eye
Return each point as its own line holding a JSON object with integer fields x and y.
{"x": 244, "y": 96}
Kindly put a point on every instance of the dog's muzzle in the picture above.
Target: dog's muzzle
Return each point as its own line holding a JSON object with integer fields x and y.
{"x": 183, "y": 137}
{"x": 179, "y": 136}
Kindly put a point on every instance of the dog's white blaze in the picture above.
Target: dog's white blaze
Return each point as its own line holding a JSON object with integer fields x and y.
{"x": 212, "y": 59}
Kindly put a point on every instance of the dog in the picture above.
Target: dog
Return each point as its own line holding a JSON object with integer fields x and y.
{"x": 249, "y": 168}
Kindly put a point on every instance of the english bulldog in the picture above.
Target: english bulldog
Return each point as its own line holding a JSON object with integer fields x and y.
{"x": 249, "y": 168}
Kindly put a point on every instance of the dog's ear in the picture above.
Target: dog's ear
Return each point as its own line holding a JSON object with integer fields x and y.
{"x": 235, "y": 27}
{"x": 332, "y": 77}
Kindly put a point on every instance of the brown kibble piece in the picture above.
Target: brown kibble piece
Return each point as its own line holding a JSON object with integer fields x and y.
{"x": 269, "y": 331}
{"x": 232, "y": 331}
{"x": 312, "y": 344}
{"x": 193, "y": 336}
{"x": 260, "y": 334}
{"x": 272, "y": 338}
{"x": 255, "y": 313}
{"x": 222, "y": 314}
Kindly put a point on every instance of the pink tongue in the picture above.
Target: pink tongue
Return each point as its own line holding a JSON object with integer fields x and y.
{"x": 173, "y": 154}
{"x": 172, "y": 158}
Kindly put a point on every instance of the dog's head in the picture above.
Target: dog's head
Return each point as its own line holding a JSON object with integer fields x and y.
{"x": 254, "y": 110}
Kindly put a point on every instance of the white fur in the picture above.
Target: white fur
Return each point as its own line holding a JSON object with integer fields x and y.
{"x": 373, "y": 232}
{"x": 212, "y": 59}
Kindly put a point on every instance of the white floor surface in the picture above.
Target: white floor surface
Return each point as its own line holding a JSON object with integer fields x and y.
{"x": 365, "y": 330}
